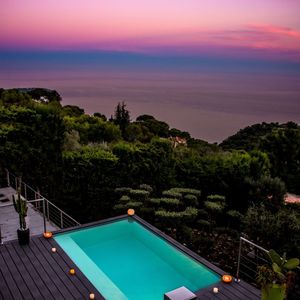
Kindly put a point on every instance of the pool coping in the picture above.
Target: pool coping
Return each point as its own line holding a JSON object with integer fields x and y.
{"x": 162, "y": 235}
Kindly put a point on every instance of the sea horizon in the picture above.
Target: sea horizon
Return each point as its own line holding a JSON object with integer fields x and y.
{"x": 210, "y": 98}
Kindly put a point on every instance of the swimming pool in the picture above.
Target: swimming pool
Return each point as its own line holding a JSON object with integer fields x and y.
{"x": 126, "y": 260}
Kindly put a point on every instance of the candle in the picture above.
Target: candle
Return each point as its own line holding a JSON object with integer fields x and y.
{"x": 130, "y": 212}
{"x": 53, "y": 250}
{"x": 92, "y": 296}
{"x": 72, "y": 271}
{"x": 215, "y": 290}
{"x": 47, "y": 234}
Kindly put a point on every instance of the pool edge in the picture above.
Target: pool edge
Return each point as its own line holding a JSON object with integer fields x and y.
{"x": 160, "y": 234}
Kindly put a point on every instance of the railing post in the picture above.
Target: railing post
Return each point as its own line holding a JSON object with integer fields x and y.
{"x": 48, "y": 216}
{"x": 44, "y": 215}
{"x": 1, "y": 243}
{"x": 61, "y": 220}
{"x": 239, "y": 260}
{"x": 7, "y": 177}
{"x": 25, "y": 191}
{"x": 37, "y": 196}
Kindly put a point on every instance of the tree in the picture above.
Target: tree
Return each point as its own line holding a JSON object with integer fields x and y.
{"x": 99, "y": 115}
{"x": 137, "y": 132}
{"x": 72, "y": 110}
{"x": 176, "y": 132}
{"x": 122, "y": 117}
{"x": 142, "y": 118}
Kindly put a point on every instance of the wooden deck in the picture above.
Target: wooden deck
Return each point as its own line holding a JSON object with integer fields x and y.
{"x": 34, "y": 272}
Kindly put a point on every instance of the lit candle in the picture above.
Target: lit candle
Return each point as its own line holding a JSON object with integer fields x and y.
{"x": 72, "y": 271}
{"x": 53, "y": 250}
{"x": 130, "y": 212}
{"x": 215, "y": 290}
{"x": 47, "y": 234}
{"x": 92, "y": 296}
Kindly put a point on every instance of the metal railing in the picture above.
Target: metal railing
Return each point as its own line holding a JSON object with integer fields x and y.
{"x": 49, "y": 210}
{"x": 250, "y": 257}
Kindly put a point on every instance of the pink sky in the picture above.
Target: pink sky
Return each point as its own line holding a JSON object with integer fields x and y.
{"x": 190, "y": 26}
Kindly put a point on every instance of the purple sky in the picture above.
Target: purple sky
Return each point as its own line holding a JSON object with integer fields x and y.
{"x": 268, "y": 29}
{"x": 209, "y": 67}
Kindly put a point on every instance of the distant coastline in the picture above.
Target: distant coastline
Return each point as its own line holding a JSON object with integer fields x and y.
{"x": 209, "y": 105}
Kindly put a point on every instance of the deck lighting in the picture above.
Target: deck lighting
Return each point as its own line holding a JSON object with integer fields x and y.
{"x": 215, "y": 290}
{"x": 92, "y": 296}
{"x": 227, "y": 278}
{"x": 47, "y": 235}
{"x": 53, "y": 250}
{"x": 72, "y": 271}
{"x": 130, "y": 212}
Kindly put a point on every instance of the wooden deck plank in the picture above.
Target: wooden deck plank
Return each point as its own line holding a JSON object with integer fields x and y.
{"x": 55, "y": 272}
{"x": 54, "y": 285}
{"x": 27, "y": 276}
{"x": 41, "y": 285}
{"x": 246, "y": 286}
{"x": 18, "y": 279}
{"x": 247, "y": 291}
{"x": 46, "y": 280}
{"x": 11, "y": 285}
{"x": 85, "y": 285}
{"x": 4, "y": 291}
{"x": 61, "y": 272}
{"x": 234, "y": 290}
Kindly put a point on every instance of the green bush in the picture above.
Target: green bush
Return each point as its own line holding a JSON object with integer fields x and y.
{"x": 167, "y": 201}
{"x": 188, "y": 214}
{"x": 185, "y": 191}
{"x": 125, "y": 198}
{"x": 146, "y": 187}
{"x": 203, "y": 224}
{"x": 139, "y": 194}
{"x": 191, "y": 199}
{"x": 203, "y": 214}
{"x": 213, "y": 206}
{"x": 123, "y": 190}
{"x": 171, "y": 194}
{"x": 216, "y": 198}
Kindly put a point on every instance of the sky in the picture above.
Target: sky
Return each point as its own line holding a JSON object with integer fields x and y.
{"x": 209, "y": 67}
{"x": 246, "y": 29}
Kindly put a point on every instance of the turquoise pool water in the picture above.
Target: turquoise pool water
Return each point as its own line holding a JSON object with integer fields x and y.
{"x": 125, "y": 260}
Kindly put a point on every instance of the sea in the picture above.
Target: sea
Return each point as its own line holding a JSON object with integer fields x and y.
{"x": 211, "y": 99}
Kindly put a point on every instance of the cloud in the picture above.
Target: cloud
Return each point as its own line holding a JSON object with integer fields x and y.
{"x": 275, "y": 30}
{"x": 260, "y": 36}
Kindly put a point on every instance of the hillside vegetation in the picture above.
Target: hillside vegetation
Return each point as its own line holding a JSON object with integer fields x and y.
{"x": 203, "y": 194}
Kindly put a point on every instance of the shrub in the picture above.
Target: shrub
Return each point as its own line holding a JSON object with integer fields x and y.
{"x": 123, "y": 190}
{"x": 139, "y": 194}
{"x": 185, "y": 191}
{"x": 216, "y": 198}
{"x": 171, "y": 201}
{"x": 234, "y": 219}
{"x": 191, "y": 199}
{"x": 125, "y": 198}
{"x": 171, "y": 194}
{"x": 202, "y": 213}
{"x": 146, "y": 187}
{"x": 203, "y": 224}
{"x": 214, "y": 207}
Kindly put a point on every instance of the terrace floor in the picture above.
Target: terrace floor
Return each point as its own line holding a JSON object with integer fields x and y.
{"x": 9, "y": 219}
{"x": 34, "y": 272}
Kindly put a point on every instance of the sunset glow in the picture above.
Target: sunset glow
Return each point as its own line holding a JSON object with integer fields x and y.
{"x": 251, "y": 28}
